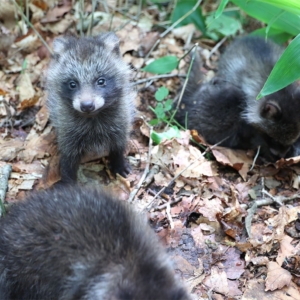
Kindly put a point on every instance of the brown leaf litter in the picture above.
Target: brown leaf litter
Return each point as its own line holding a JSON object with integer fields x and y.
{"x": 206, "y": 200}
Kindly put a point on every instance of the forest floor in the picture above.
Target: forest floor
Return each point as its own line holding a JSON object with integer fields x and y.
{"x": 232, "y": 227}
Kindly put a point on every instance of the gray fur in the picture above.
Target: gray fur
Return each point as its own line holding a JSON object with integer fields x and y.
{"x": 104, "y": 131}
{"x": 71, "y": 243}
{"x": 227, "y": 106}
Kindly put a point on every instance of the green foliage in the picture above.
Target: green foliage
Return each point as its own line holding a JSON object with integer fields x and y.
{"x": 221, "y": 7}
{"x": 162, "y": 65}
{"x": 286, "y": 70}
{"x": 161, "y": 93}
{"x": 158, "y": 137}
{"x": 292, "y": 6}
{"x": 224, "y": 25}
{"x": 161, "y": 111}
{"x": 158, "y": 1}
{"x": 281, "y": 20}
{"x": 184, "y": 6}
{"x": 278, "y": 36}
{"x": 24, "y": 66}
{"x": 162, "y": 107}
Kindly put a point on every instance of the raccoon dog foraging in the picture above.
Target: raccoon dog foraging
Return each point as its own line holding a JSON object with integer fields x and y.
{"x": 72, "y": 243}
{"x": 226, "y": 107}
{"x": 90, "y": 100}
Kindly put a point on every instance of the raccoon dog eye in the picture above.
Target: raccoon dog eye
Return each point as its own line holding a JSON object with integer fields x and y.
{"x": 72, "y": 85}
{"x": 101, "y": 82}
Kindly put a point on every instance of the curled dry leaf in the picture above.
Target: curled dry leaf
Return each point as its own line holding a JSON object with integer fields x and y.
{"x": 28, "y": 43}
{"x": 236, "y": 159}
{"x": 287, "y": 162}
{"x": 55, "y": 14}
{"x": 184, "y": 32}
{"x": 26, "y": 91}
{"x": 209, "y": 208}
{"x": 61, "y": 26}
{"x": 177, "y": 157}
{"x": 277, "y": 277}
{"x": 255, "y": 290}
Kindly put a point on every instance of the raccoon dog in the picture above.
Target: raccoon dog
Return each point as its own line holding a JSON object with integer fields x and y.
{"x": 90, "y": 100}
{"x": 71, "y": 243}
{"x": 226, "y": 107}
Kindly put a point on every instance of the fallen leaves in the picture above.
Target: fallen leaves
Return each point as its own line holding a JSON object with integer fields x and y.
{"x": 237, "y": 159}
{"x": 277, "y": 277}
{"x": 205, "y": 193}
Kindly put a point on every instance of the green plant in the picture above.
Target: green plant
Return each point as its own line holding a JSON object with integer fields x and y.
{"x": 162, "y": 112}
{"x": 282, "y": 23}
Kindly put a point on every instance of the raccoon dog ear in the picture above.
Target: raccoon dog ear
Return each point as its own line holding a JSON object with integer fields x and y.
{"x": 270, "y": 110}
{"x": 112, "y": 42}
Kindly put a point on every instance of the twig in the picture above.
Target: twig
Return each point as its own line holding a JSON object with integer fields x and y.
{"x": 33, "y": 28}
{"x": 216, "y": 47}
{"x": 168, "y": 211}
{"x": 154, "y": 170}
{"x": 278, "y": 199}
{"x": 4, "y": 175}
{"x": 273, "y": 198}
{"x": 157, "y": 77}
{"x": 91, "y": 24}
{"x": 146, "y": 171}
{"x": 255, "y": 158}
{"x": 166, "y": 204}
{"x": 185, "y": 82}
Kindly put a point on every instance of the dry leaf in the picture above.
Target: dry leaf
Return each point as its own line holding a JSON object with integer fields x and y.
{"x": 277, "y": 277}
{"x": 26, "y": 90}
{"x": 237, "y": 159}
{"x": 217, "y": 280}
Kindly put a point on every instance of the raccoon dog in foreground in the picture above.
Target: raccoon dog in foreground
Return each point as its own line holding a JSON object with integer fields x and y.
{"x": 226, "y": 107}
{"x": 90, "y": 100}
{"x": 72, "y": 243}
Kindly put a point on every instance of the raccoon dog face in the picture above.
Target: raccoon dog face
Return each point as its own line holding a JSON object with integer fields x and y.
{"x": 279, "y": 116}
{"x": 91, "y": 71}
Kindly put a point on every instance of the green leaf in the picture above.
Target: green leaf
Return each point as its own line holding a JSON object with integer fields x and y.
{"x": 184, "y": 6}
{"x": 159, "y": 111}
{"x": 224, "y": 25}
{"x": 265, "y": 12}
{"x": 278, "y": 36}
{"x": 162, "y": 65}
{"x": 161, "y": 93}
{"x": 292, "y": 6}
{"x": 286, "y": 70}
{"x": 154, "y": 122}
{"x": 172, "y": 132}
{"x": 221, "y": 8}
{"x": 158, "y": 1}
{"x": 168, "y": 104}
